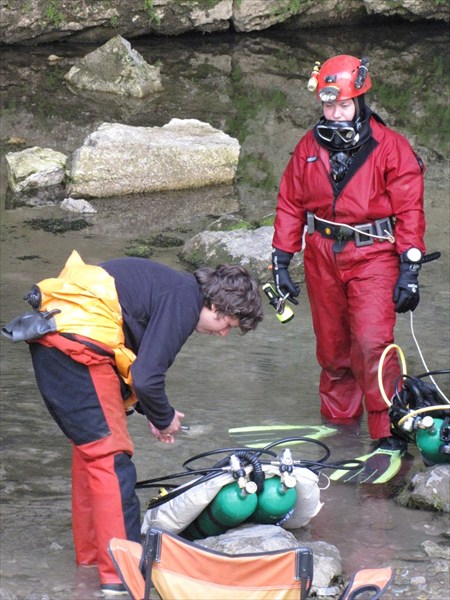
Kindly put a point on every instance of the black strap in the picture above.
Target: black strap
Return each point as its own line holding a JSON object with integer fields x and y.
{"x": 357, "y": 162}
{"x": 335, "y": 232}
{"x": 90, "y": 345}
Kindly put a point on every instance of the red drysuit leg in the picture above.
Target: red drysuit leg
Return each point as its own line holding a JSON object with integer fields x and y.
{"x": 82, "y": 518}
{"x": 82, "y": 391}
{"x": 340, "y": 394}
{"x": 372, "y": 320}
{"x": 353, "y": 315}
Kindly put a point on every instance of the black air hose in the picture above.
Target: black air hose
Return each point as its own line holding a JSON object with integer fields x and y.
{"x": 258, "y": 473}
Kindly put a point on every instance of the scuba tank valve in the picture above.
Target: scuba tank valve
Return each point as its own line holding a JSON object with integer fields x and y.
{"x": 286, "y": 469}
{"x": 277, "y": 500}
{"x": 284, "y": 312}
{"x": 249, "y": 487}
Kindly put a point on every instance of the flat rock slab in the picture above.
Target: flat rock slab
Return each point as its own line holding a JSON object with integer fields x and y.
{"x": 120, "y": 159}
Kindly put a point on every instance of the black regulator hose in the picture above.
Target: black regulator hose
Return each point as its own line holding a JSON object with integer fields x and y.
{"x": 437, "y": 372}
{"x": 158, "y": 481}
{"x": 323, "y": 459}
{"x": 225, "y": 461}
{"x": 248, "y": 456}
{"x": 258, "y": 473}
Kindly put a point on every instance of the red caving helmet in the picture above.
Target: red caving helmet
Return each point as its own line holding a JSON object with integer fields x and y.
{"x": 343, "y": 77}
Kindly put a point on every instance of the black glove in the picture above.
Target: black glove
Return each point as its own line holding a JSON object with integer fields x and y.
{"x": 283, "y": 282}
{"x": 406, "y": 291}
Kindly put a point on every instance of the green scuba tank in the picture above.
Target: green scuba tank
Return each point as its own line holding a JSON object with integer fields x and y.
{"x": 428, "y": 440}
{"x": 232, "y": 506}
{"x": 276, "y": 500}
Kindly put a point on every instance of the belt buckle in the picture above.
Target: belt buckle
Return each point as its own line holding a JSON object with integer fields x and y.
{"x": 310, "y": 222}
{"x": 382, "y": 226}
{"x": 361, "y": 229}
{"x": 343, "y": 233}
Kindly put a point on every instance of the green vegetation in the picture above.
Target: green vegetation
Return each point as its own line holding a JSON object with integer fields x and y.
{"x": 53, "y": 13}
{"x": 257, "y": 170}
{"x": 267, "y": 221}
{"x": 248, "y": 102}
{"x": 140, "y": 251}
{"x": 428, "y": 87}
{"x": 234, "y": 224}
{"x": 143, "y": 247}
{"x": 58, "y": 225}
{"x": 291, "y": 7}
{"x": 151, "y": 12}
{"x": 237, "y": 224}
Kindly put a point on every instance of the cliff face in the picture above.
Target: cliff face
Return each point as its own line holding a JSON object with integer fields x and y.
{"x": 96, "y": 21}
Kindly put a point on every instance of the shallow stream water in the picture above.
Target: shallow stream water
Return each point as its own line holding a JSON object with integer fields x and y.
{"x": 252, "y": 87}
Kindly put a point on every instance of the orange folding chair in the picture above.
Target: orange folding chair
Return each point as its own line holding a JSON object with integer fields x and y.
{"x": 368, "y": 583}
{"x": 182, "y": 570}
{"x": 128, "y": 558}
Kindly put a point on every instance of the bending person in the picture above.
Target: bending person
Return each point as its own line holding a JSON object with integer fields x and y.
{"x": 102, "y": 339}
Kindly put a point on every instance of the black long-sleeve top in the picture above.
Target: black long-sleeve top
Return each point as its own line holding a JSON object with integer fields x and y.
{"x": 160, "y": 308}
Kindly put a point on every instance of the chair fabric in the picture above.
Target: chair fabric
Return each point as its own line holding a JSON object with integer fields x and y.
{"x": 127, "y": 557}
{"x": 182, "y": 570}
{"x": 368, "y": 583}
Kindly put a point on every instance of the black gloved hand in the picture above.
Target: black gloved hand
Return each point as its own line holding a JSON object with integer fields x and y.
{"x": 406, "y": 291}
{"x": 283, "y": 282}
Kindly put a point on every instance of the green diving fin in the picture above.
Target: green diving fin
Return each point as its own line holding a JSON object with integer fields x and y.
{"x": 262, "y": 435}
{"x": 380, "y": 466}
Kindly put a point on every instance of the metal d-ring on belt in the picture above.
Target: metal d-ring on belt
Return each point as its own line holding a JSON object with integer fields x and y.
{"x": 380, "y": 230}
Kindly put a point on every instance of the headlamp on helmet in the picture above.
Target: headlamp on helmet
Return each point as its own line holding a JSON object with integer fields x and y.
{"x": 329, "y": 93}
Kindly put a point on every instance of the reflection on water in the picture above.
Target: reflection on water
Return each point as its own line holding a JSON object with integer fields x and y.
{"x": 267, "y": 377}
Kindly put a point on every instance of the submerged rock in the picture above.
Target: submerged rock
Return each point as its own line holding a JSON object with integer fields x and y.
{"x": 117, "y": 69}
{"x": 429, "y": 489}
{"x": 249, "y": 247}
{"x": 77, "y": 205}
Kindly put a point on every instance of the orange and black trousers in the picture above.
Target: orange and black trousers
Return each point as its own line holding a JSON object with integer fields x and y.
{"x": 80, "y": 386}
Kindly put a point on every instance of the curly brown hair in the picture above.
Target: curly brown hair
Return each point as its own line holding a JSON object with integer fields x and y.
{"x": 234, "y": 292}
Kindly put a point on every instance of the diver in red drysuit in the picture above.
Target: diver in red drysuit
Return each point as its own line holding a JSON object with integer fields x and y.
{"x": 352, "y": 169}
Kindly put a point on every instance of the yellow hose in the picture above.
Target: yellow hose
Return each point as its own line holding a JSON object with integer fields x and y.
{"x": 380, "y": 369}
{"x": 413, "y": 413}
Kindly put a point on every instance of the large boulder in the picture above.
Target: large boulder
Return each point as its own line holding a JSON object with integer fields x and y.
{"x": 117, "y": 69}
{"x": 120, "y": 159}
